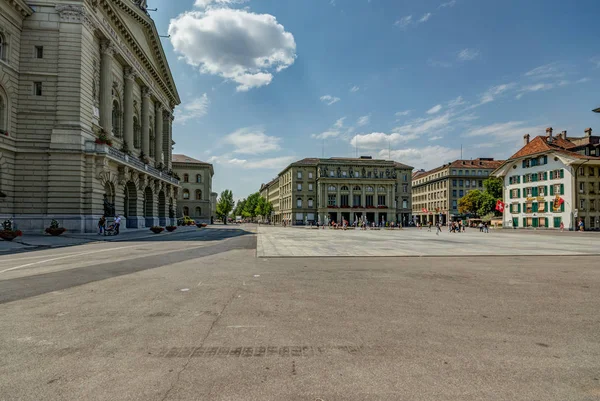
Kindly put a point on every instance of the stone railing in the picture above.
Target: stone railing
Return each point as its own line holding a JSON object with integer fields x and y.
{"x": 131, "y": 161}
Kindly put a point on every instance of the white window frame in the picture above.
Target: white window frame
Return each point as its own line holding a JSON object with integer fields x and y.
{"x": 299, "y": 187}
{"x": 299, "y": 175}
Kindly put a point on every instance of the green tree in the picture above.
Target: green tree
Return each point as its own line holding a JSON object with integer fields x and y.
{"x": 261, "y": 204}
{"x": 494, "y": 186}
{"x": 487, "y": 204}
{"x": 225, "y": 205}
{"x": 470, "y": 203}
{"x": 250, "y": 205}
{"x": 239, "y": 207}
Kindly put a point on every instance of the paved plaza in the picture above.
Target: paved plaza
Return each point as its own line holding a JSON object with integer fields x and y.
{"x": 198, "y": 316}
{"x": 305, "y": 242}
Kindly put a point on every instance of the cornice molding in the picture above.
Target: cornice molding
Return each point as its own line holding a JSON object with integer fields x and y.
{"x": 21, "y": 7}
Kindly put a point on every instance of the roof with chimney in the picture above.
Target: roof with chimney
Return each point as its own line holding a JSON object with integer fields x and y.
{"x": 561, "y": 143}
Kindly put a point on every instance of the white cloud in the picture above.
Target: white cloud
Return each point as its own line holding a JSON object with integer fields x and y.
{"x": 327, "y": 134}
{"x": 377, "y": 140}
{"x": 402, "y": 113}
{"x": 273, "y": 163}
{"x": 467, "y": 117}
{"x": 427, "y": 157}
{"x": 434, "y": 109}
{"x": 251, "y": 140}
{"x": 425, "y": 18}
{"x": 582, "y": 80}
{"x": 552, "y": 70}
{"x": 536, "y": 87}
{"x": 404, "y": 22}
{"x": 339, "y": 123}
{"x": 354, "y": 89}
{"x": 451, "y": 3}
{"x": 238, "y": 45}
{"x": 436, "y": 138}
{"x": 207, "y": 3}
{"x": 468, "y": 54}
{"x": 490, "y": 94}
{"x": 459, "y": 101}
{"x": 493, "y": 129}
{"x": 193, "y": 109}
{"x": 329, "y": 99}
{"x": 364, "y": 120}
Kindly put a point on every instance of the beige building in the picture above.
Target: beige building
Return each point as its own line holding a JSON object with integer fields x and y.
{"x": 270, "y": 192}
{"x": 68, "y": 72}
{"x": 194, "y": 199}
{"x": 435, "y": 193}
{"x": 321, "y": 190}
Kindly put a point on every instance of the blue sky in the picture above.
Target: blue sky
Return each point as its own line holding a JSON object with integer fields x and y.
{"x": 266, "y": 82}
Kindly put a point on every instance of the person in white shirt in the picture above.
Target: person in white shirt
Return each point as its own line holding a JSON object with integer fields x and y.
{"x": 117, "y": 224}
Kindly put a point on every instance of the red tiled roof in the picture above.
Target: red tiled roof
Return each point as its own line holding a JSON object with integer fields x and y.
{"x": 186, "y": 159}
{"x": 540, "y": 144}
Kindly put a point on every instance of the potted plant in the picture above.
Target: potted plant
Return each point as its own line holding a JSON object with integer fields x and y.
{"x": 7, "y": 233}
{"x": 171, "y": 228}
{"x": 201, "y": 225}
{"x": 103, "y": 139}
{"x": 156, "y": 229}
{"x": 55, "y": 229}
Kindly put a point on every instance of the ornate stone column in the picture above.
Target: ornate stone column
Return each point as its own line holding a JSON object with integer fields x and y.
{"x": 158, "y": 133}
{"x": 146, "y": 121}
{"x": 350, "y": 197}
{"x": 107, "y": 51}
{"x": 129, "y": 76}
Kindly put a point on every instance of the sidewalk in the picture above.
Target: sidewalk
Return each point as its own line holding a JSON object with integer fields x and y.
{"x": 32, "y": 241}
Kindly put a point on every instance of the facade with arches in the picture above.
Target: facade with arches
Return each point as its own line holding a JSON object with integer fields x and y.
{"x": 314, "y": 190}
{"x": 196, "y": 199}
{"x": 74, "y": 77}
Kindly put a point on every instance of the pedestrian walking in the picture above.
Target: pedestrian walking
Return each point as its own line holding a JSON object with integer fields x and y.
{"x": 429, "y": 226}
{"x": 439, "y": 228}
{"x": 562, "y": 226}
{"x": 101, "y": 225}
{"x": 486, "y": 228}
{"x": 117, "y": 224}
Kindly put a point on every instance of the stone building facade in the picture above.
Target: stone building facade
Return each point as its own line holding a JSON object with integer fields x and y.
{"x": 270, "y": 192}
{"x": 320, "y": 190}
{"x": 436, "y": 192}
{"x": 553, "y": 179}
{"x": 194, "y": 198}
{"x": 74, "y": 76}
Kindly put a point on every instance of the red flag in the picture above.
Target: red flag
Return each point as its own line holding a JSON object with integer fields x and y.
{"x": 557, "y": 202}
{"x": 500, "y": 206}
{"x": 561, "y": 201}
{"x": 424, "y": 210}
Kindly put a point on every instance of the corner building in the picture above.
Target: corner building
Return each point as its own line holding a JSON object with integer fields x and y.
{"x": 321, "y": 190}
{"x": 74, "y": 76}
{"x": 436, "y": 192}
{"x": 194, "y": 199}
{"x": 553, "y": 179}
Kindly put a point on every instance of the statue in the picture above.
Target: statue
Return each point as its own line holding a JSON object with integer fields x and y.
{"x": 375, "y": 172}
{"x": 351, "y": 172}
{"x": 109, "y": 208}
{"x": 325, "y": 171}
{"x": 339, "y": 172}
{"x": 364, "y": 173}
{"x": 387, "y": 173}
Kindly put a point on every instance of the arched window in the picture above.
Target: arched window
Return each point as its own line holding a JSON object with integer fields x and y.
{"x": 186, "y": 211}
{"x": 186, "y": 178}
{"x": 198, "y": 178}
{"x": 356, "y": 188}
{"x": 369, "y": 189}
{"x": 198, "y": 194}
{"x": 331, "y": 188}
{"x": 116, "y": 118}
{"x": 3, "y": 52}
{"x": 198, "y": 212}
{"x": 186, "y": 194}
{"x": 344, "y": 188}
{"x": 152, "y": 140}
{"x": 381, "y": 189}
{"x": 137, "y": 133}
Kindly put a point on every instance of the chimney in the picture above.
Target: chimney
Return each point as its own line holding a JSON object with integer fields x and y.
{"x": 588, "y": 132}
{"x": 564, "y": 135}
{"x": 526, "y": 139}
{"x": 549, "y": 132}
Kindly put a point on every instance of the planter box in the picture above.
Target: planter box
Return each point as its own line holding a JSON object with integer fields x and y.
{"x": 55, "y": 231}
{"x": 157, "y": 230}
{"x": 10, "y": 235}
{"x": 171, "y": 228}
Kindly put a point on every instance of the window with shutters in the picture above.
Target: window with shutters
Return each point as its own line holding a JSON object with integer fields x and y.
{"x": 529, "y": 191}
{"x": 529, "y": 208}
{"x": 541, "y": 207}
{"x": 541, "y": 191}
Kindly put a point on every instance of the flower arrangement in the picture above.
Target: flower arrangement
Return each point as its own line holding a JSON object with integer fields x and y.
{"x": 156, "y": 229}
{"x": 55, "y": 229}
{"x": 103, "y": 139}
{"x": 7, "y": 233}
{"x": 381, "y": 207}
{"x": 371, "y": 207}
{"x": 171, "y": 228}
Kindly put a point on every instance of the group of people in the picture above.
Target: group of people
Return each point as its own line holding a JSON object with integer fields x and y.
{"x": 484, "y": 228}
{"x": 113, "y": 227}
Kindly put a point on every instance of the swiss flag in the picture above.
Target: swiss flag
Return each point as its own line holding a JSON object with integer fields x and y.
{"x": 500, "y": 206}
{"x": 424, "y": 210}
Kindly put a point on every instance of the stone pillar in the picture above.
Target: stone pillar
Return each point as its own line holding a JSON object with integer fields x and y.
{"x": 108, "y": 51}
{"x": 363, "y": 199}
{"x": 158, "y": 133}
{"x": 350, "y": 197}
{"x": 337, "y": 195}
{"x": 129, "y": 76}
{"x": 169, "y": 151}
{"x": 146, "y": 121}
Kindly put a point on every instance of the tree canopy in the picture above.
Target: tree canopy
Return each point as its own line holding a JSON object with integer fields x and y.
{"x": 482, "y": 203}
{"x": 224, "y": 205}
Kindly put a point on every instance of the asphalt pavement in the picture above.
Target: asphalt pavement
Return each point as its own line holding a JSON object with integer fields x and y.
{"x": 202, "y": 318}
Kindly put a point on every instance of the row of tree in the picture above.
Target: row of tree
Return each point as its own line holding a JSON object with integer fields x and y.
{"x": 482, "y": 203}
{"x": 253, "y": 206}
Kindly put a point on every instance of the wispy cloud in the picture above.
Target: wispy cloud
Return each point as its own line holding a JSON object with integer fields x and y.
{"x": 491, "y": 94}
{"x": 436, "y": 138}
{"x": 194, "y": 109}
{"x": 404, "y": 22}
{"x": 402, "y": 113}
{"x": 426, "y": 157}
{"x": 551, "y": 70}
{"x": 435, "y": 109}
{"x": 534, "y": 88}
{"x": 468, "y": 54}
{"x": 354, "y": 89}
{"x": 329, "y": 100}
{"x": 364, "y": 120}
{"x": 339, "y": 123}
{"x": 270, "y": 163}
{"x": 582, "y": 80}
{"x": 422, "y": 126}
{"x": 425, "y": 18}
{"x": 450, "y": 3}
{"x": 458, "y": 101}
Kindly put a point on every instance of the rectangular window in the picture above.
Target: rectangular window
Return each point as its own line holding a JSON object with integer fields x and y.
{"x": 356, "y": 200}
{"x": 344, "y": 174}
{"x": 356, "y": 174}
{"x": 405, "y": 188}
{"x": 557, "y": 221}
{"x": 299, "y": 175}
{"x": 331, "y": 173}
{"x": 592, "y": 188}
{"x": 380, "y": 200}
{"x": 529, "y": 208}
{"x": 581, "y": 171}
{"x": 591, "y": 171}
{"x": 581, "y": 187}
{"x": 299, "y": 187}
{"x": 453, "y": 183}
{"x": 37, "y": 88}
{"x": 404, "y": 204}
{"x": 310, "y": 187}
{"x": 298, "y": 202}
{"x": 310, "y": 175}
{"x": 453, "y": 172}
{"x": 299, "y": 217}
{"x": 541, "y": 191}
{"x": 39, "y": 52}
{"x": 344, "y": 200}
{"x": 541, "y": 207}
{"x": 467, "y": 183}
{"x": 460, "y": 172}
{"x": 454, "y": 193}
{"x": 461, "y": 193}
{"x": 529, "y": 191}
{"x": 582, "y": 204}
{"x": 405, "y": 177}
{"x": 460, "y": 183}
{"x": 369, "y": 200}
{"x": 310, "y": 203}
{"x": 480, "y": 184}
{"x": 473, "y": 183}
{"x": 331, "y": 200}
